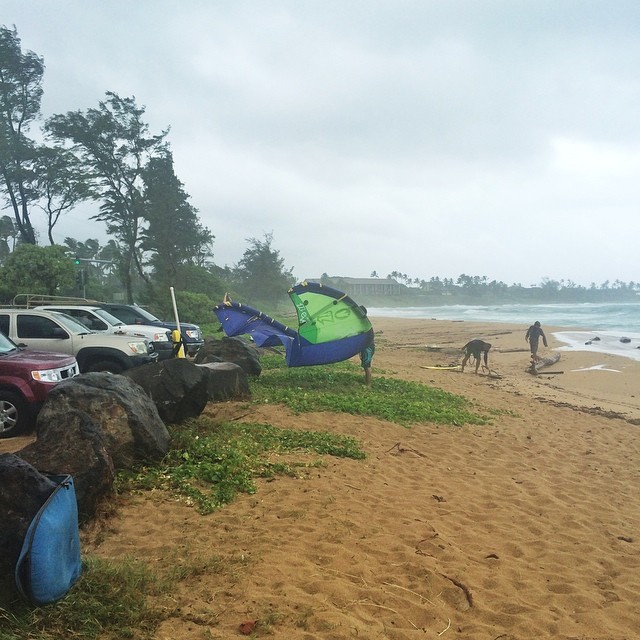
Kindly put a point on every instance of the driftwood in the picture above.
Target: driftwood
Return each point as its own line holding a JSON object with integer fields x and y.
{"x": 534, "y": 368}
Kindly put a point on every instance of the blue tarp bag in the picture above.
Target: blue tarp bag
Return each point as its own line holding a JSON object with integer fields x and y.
{"x": 49, "y": 563}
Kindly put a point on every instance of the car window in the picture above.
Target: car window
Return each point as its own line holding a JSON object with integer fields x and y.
{"x": 4, "y": 324}
{"x": 87, "y": 318}
{"x": 71, "y": 324}
{"x": 109, "y": 317}
{"x": 29, "y": 326}
{"x": 125, "y": 315}
{"x": 144, "y": 315}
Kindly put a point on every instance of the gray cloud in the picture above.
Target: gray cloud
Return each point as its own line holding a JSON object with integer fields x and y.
{"x": 429, "y": 137}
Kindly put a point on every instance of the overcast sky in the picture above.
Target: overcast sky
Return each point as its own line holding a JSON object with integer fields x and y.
{"x": 497, "y": 138}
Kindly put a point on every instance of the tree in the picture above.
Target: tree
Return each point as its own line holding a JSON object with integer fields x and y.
{"x": 20, "y": 97}
{"x": 435, "y": 285}
{"x": 261, "y": 274}
{"x": 174, "y": 236}
{"x": 7, "y": 231}
{"x": 114, "y": 146}
{"x": 464, "y": 281}
{"x": 62, "y": 183}
{"x": 32, "y": 269}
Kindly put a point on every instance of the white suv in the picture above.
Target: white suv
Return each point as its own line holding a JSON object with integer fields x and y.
{"x": 102, "y": 321}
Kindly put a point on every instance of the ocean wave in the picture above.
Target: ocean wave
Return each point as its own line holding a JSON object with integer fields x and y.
{"x": 620, "y": 317}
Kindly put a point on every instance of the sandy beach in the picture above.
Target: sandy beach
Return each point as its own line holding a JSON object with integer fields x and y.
{"x": 525, "y": 528}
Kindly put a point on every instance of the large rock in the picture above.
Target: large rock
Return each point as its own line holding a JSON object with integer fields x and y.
{"x": 23, "y": 490}
{"x": 73, "y": 444}
{"x": 225, "y": 381}
{"x": 129, "y": 419}
{"x": 177, "y": 387}
{"x": 233, "y": 350}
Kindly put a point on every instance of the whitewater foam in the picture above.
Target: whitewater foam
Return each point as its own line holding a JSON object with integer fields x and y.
{"x": 608, "y": 342}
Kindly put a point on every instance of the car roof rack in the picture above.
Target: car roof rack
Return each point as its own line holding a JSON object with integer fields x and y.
{"x": 30, "y": 300}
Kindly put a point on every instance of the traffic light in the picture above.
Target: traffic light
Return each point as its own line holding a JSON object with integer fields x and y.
{"x": 77, "y": 260}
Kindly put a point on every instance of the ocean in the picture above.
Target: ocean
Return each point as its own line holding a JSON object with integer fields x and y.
{"x": 610, "y": 324}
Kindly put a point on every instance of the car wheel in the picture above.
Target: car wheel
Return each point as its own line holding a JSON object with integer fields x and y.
{"x": 15, "y": 415}
{"x": 106, "y": 365}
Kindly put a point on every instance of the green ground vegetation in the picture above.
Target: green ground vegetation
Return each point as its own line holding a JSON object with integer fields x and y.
{"x": 210, "y": 463}
{"x": 339, "y": 388}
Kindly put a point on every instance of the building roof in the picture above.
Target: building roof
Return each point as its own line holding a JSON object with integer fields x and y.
{"x": 347, "y": 280}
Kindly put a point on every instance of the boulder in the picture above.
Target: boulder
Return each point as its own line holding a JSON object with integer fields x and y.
{"x": 72, "y": 443}
{"x": 177, "y": 387}
{"x": 225, "y": 381}
{"x": 233, "y": 350}
{"x": 23, "y": 490}
{"x": 128, "y": 418}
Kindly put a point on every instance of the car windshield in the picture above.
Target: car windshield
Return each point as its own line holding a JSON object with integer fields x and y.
{"x": 107, "y": 317}
{"x": 147, "y": 315}
{"x": 6, "y": 345}
{"x": 72, "y": 324}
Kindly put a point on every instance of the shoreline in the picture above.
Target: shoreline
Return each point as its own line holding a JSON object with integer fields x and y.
{"x": 617, "y": 317}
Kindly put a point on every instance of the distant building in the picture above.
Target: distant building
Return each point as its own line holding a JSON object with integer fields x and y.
{"x": 363, "y": 286}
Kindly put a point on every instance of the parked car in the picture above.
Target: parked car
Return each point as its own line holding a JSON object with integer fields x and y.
{"x": 26, "y": 377}
{"x": 52, "y": 331}
{"x": 133, "y": 314}
{"x": 101, "y": 321}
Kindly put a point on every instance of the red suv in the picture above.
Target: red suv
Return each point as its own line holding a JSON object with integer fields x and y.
{"x": 26, "y": 377}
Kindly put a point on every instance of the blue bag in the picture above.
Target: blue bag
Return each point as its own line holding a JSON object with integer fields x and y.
{"x": 49, "y": 562}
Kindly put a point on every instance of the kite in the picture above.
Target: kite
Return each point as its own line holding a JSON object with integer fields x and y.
{"x": 331, "y": 326}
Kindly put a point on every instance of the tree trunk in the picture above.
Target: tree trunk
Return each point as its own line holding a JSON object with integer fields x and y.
{"x": 535, "y": 367}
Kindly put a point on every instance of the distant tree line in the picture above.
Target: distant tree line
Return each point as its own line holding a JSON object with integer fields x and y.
{"x": 548, "y": 290}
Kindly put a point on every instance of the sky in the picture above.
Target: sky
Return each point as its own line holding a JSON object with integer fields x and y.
{"x": 496, "y": 138}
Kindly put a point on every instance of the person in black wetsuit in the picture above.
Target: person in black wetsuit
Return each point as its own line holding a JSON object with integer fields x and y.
{"x": 533, "y": 335}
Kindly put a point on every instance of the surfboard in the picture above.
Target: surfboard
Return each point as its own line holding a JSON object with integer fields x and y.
{"x": 455, "y": 366}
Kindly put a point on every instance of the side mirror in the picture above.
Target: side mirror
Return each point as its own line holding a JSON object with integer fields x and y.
{"x": 59, "y": 333}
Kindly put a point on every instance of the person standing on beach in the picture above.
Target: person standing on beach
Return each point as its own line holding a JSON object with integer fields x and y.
{"x": 533, "y": 335}
{"x": 479, "y": 349}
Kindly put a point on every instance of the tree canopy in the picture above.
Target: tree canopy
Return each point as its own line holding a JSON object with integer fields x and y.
{"x": 174, "y": 236}
{"x": 261, "y": 274}
{"x": 113, "y": 144}
{"x": 20, "y": 97}
{"x": 32, "y": 269}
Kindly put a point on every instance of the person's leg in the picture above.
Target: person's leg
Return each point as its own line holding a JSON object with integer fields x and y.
{"x": 366, "y": 358}
{"x": 534, "y": 351}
